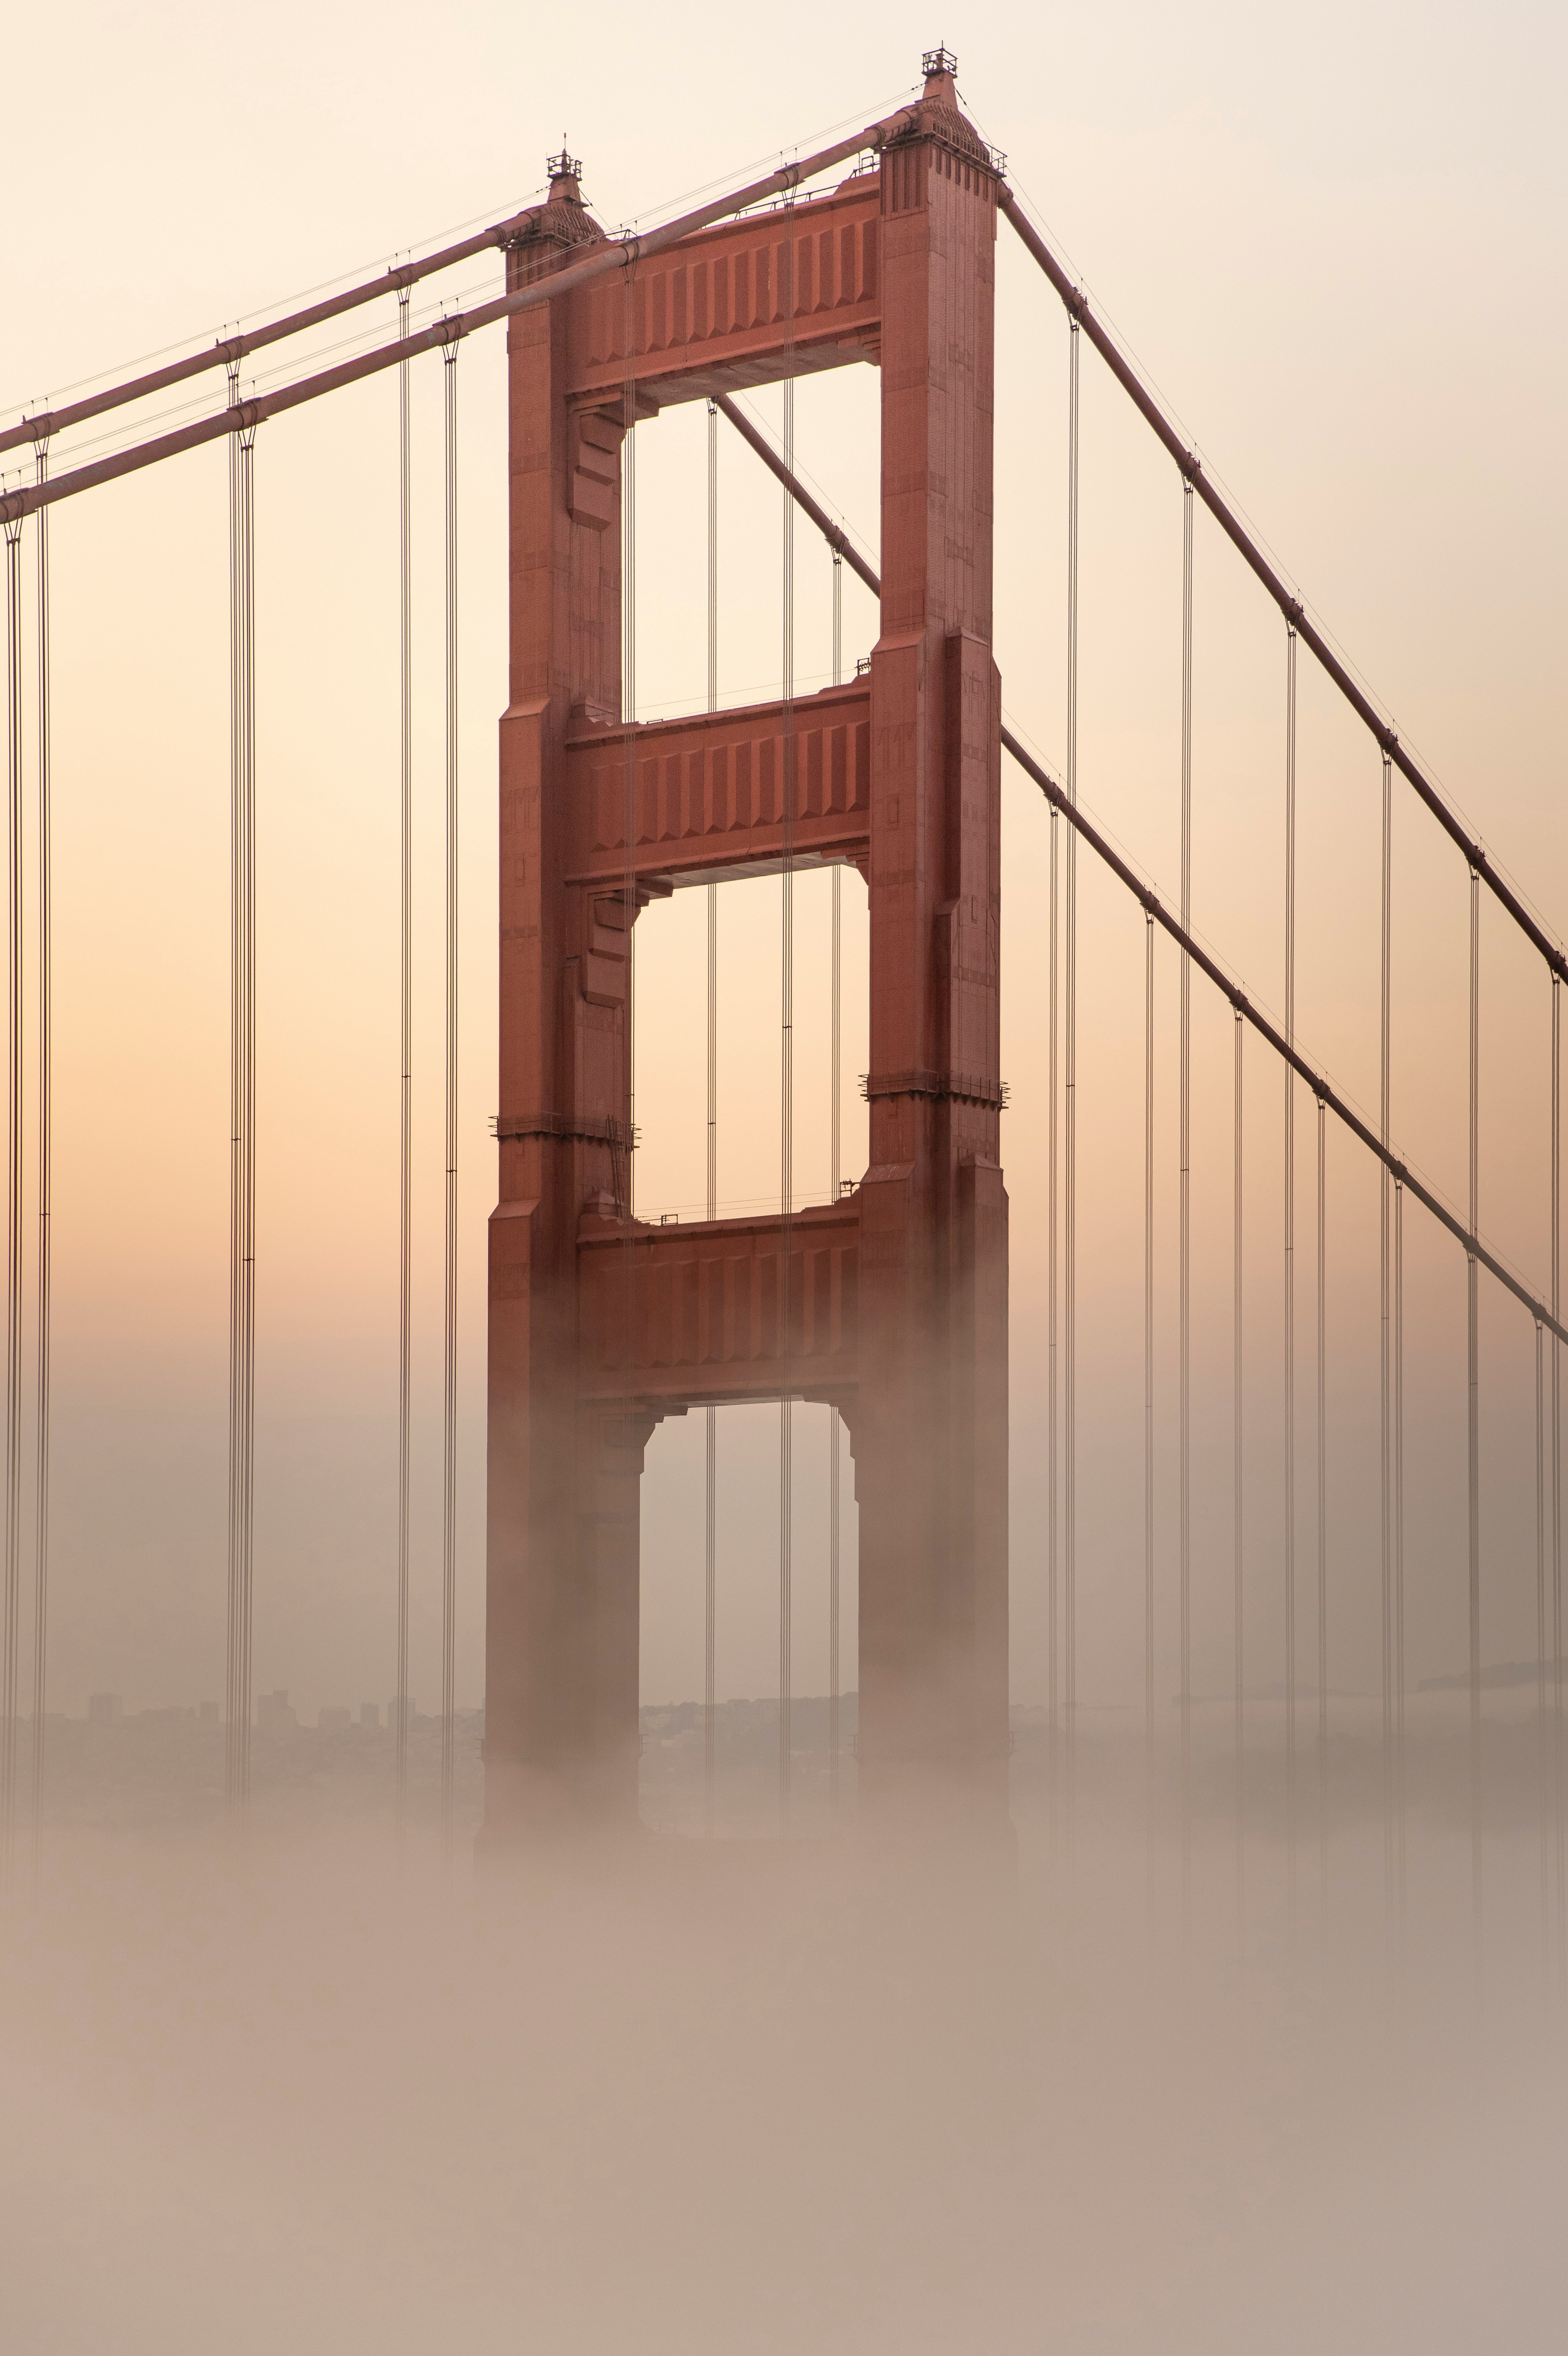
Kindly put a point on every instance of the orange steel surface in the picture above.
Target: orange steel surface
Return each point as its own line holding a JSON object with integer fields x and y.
{"x": 707, "y": 793}
{"x": 708, "y": 316}
{"x": 894, "y": 1306}
{"x": 702, "y": 1302}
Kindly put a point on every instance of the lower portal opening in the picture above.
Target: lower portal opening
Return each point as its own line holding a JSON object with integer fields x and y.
{"x": 750, "y": 1795}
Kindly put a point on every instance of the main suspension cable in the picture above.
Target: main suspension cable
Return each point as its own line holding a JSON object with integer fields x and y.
{"x": 1343, "y": 1111}
{"x": 405, "y": 1059}
{"x": 1066, "y": 805}
{"x": 1062, "y": 804}
{"x": 449, "y": 1363}
{"x": 229, "y": 350}
{"x": 46, "y": 1167}
{"x": 1076, "y": 303}
{"x": 614, "y": 254}
{"x": 598, "y": 262}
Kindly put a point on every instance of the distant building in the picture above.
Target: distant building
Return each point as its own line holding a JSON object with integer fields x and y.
{"x": 331, "y": 1719}
{"x": 400, "y": 1709}
{"x": 274, "y": 1715}
{"x": 369, "y": 1713}
{"x": 105, "y": 1710}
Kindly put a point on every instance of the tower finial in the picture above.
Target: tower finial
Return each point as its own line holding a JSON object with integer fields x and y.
{"x": 938, "y": 64}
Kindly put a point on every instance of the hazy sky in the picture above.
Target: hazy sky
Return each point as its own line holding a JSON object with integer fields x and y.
{"x": 1336, "y": 244}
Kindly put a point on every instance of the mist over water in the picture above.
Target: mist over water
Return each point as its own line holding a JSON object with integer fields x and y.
{"x": 749, "y": 2094}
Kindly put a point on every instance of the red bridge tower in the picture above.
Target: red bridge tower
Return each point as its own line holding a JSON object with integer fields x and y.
{"x": 892, "y": 1302}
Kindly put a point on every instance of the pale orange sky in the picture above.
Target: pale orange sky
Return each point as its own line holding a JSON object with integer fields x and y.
{"x": 1335, "y": 245}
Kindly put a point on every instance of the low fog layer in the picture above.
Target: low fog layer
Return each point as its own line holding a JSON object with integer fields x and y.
{"x": 753, "y": 2096}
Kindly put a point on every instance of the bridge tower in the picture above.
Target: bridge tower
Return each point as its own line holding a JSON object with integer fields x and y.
{"x": 892, "y": 1302}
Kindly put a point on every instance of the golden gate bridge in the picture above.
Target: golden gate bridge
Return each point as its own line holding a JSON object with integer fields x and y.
{"x": 886, "y": 1303}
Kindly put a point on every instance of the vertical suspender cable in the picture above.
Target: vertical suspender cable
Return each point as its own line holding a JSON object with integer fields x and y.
{"x": 630, "y": 666}
{"x": 1557, "y": 1492}
{"x": 45, "y": 1169}
{"x": 629, "y": 713}
{"x": 1149, "y": 1363}
{"x": 248, "y": 1496}
{"x": 1290, "y": 1258}
{"x": 1053, "y": 1580}
{"x": 1557, "y": 1808}
{"x": 405, "y": 1059}
{"x": 1474, "y": 1402}
{"x": 623, "y": 1158}
{"x": 623, "y": 1163}
{"x": 835, "y": 1158}
{"x": 1323, "y": 1495}
{"x": 231, "y": 1658}
{"x": 1545, "y": 1844}
{"x": 449, "y": 1335}
{"x": 13, "y": 1195}
{"x": 1070, "y": 1109}
{"x": 242, "y": 1265}
{"x": 1399, "y": 1820}
{"x": 786, "y": 1103}
{"x": 710, "y": 1417}
{"x": 1385, "y": 1363}
{"x": 1186, "y": 1239}
{"x": 1238, "y": 1502}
